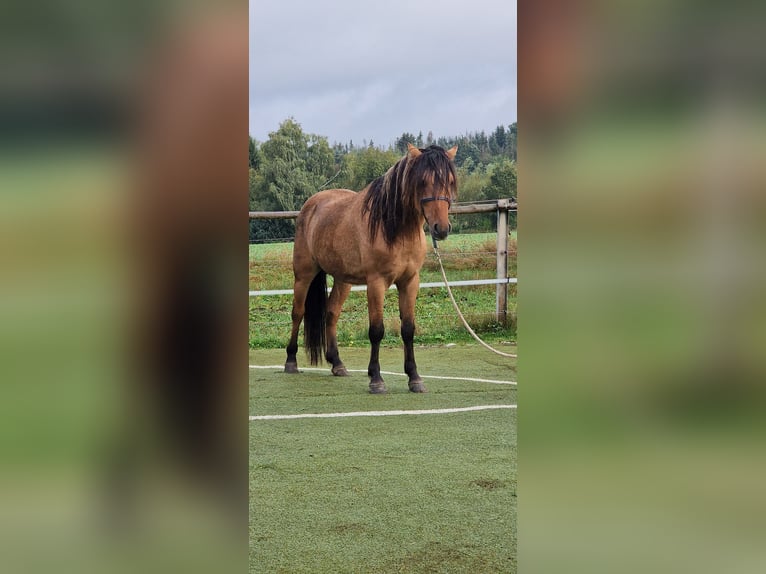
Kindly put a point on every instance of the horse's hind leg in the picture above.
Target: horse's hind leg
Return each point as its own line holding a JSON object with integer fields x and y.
{"x": 334, "y": 305}
{"x": 375, "y": 296}
{"x": 299, "y": 309}
{"x": 408, "y": 292}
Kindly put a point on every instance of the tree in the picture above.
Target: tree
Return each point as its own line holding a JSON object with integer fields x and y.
{"x": 363, "y": 165}
{"x": 285, "y": 171}
{"x": 471, "y": 184}
{"x": 254, "y": 155}
{"x": 255, "y": 182}
{"x": 320, "y": 159}
{"x": 262, "y": 229}
{"x": 467, "y": 149}
{"x": 291, "y": 165}
{"x": 401, "y": 142}
{"x": 497, "y": 140}
{"x": 511, "y": 141}
{"x": 502, "y": 182}
{"x": 295, "y": 165}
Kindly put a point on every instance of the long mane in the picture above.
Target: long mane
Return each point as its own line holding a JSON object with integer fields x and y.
{"x": 393, "y": 199}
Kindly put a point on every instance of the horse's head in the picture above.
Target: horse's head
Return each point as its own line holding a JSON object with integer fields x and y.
{"x": 433, "y": 173}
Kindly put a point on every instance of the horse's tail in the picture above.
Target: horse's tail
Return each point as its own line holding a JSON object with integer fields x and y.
{"x": 315, "y": 319}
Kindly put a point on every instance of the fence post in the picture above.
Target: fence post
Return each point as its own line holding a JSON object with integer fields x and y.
{"x": 501, "y": 306}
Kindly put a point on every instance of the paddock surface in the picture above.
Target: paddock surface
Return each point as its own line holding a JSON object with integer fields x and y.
{"x": 343, "y": 493}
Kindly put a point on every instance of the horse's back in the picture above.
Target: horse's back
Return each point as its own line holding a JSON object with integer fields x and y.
{"x": 327, "y": 210}
{"x": 329, "y": 198}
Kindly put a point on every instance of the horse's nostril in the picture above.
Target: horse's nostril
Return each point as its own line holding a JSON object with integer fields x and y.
{"x": 440, "y": 233}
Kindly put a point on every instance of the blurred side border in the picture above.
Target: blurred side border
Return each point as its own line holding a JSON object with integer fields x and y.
{"x": 124, "y": 349}
{"x": 642, "y": 322}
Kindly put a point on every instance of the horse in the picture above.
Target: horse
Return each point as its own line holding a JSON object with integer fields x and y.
{"x": 373, "y": 237}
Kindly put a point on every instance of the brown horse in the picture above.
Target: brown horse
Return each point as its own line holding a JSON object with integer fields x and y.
{"x": 374, "y": 237}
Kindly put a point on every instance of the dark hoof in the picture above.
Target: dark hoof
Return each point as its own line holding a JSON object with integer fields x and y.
{"x": 340, "y": 371}
{"x": 291, "y": 368}
{"x": 378, "y": 387}
{"x": 417, "y": 387}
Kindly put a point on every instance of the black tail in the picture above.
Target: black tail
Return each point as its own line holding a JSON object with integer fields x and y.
{"x": 315, "y": 319}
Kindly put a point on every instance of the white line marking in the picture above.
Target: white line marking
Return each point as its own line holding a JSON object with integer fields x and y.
{"x": 379, "y": 413}
{"x": 474, "y": 380}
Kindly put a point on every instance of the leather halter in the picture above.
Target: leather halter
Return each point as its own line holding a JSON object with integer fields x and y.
{"x": 436, "y": 198}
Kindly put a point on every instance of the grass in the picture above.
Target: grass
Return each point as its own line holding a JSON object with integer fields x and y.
{"x": 470, "y": 256}
{"x": 431, "y": 493}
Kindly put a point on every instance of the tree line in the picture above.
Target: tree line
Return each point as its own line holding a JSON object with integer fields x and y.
{"x": 291, "y": 165}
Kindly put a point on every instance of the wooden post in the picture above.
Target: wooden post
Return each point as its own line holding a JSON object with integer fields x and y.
{"x": 501, "y": 306}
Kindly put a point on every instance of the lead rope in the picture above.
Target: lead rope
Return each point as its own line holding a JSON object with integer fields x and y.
{"x": 452, "y": 298}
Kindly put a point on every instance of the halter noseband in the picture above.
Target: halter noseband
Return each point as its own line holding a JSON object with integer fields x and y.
{"x": 436, "y": 198}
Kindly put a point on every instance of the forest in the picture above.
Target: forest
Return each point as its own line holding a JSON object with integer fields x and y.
{"x": 292, "y": 165}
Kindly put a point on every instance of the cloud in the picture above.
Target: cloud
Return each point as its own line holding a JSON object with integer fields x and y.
{"x": 352, "y": 70}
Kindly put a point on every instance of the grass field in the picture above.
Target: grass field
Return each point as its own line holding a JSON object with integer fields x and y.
{"x": 469, "y": 256}
{"x": 415, "y": 493}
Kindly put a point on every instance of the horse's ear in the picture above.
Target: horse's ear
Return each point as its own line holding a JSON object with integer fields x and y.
{"x": 413, "y": 151}
{"x": 451, "y": 152}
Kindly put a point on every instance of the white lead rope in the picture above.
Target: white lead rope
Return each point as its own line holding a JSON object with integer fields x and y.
{"x": 452, "y": 298}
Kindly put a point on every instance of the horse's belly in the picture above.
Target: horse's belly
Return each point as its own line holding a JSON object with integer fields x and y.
{"x": 342, "y": 268}
{"x": 355, "y": 273}
{"x": 352, "y": 279}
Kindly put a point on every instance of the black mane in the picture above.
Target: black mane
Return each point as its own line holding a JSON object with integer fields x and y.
{"x": 393, "y": 200}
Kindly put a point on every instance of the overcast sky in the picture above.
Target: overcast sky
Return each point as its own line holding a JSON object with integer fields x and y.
{"x": 356, "y": 70}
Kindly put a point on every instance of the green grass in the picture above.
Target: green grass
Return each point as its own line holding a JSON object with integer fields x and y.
{"x": 430, "y": 493}
{"x": 469, "y": 256}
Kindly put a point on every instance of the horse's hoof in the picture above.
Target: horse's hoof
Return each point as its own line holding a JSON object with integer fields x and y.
{"x": 340, "y": 371}
{"x": 291, "y": 368}
{"x": 378, "y": 388}
{"x": 417, "y": 387}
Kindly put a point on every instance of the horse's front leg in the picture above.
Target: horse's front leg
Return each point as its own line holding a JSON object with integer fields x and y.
{"x": 376, "y": 291}
{"x": 408, "y": 292}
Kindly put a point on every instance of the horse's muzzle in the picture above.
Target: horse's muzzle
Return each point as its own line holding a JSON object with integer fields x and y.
{"x": 439, "y": 233}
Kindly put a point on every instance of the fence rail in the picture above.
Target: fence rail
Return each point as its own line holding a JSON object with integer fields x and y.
{"x": 502, "y": 207}
{"x": 464, "y": 283}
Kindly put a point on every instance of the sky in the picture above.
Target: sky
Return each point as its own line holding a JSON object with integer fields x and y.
{"x": 362, "y": 71}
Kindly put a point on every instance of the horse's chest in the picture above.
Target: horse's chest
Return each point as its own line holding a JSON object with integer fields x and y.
{"x": 396, "y": 263}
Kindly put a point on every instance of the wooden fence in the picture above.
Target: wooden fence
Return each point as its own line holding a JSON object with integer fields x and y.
{"x": 503, "y": 207}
